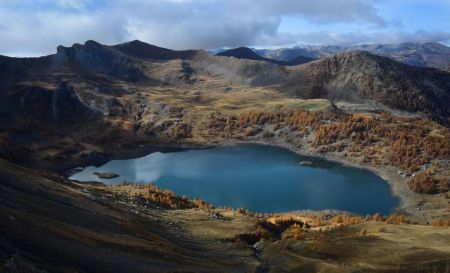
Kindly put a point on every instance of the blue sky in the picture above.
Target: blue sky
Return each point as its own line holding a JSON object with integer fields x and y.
{"x": 37, "y": 27}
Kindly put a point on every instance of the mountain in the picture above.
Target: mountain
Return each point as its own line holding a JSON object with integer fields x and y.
{"x": 243, "y": 53}
{"x": 417, "y": 54}
{"x": 89, "y": 81}
{"x": 249, "y": 54}
{"x": 86, "y": 80}
{"x": 287, "y": 54}
{"x": 138, "y": 49}
{"x": 298, "y": 60}
{"x": 360, "y": 76}
{"x": 91, "y": 103}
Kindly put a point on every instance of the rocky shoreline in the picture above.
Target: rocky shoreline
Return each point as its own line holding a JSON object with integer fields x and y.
{"x": 408, "y": 201}
{"x": 410, "y": 204}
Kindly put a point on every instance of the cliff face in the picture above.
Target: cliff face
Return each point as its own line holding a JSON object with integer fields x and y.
{"x": 62, "y": 105}
{"x": 93, "y": 57}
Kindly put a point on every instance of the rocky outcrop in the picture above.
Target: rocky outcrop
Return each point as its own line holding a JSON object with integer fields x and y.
{"x": 62, "y": 105}
{"x": 17, "y": 69}
{"x": 97, "y": 58}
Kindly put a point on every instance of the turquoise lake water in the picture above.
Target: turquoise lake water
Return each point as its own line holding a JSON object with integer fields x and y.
{"x": 257, "y": 177}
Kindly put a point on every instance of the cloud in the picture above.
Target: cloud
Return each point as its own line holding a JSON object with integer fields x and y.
{"x": 36, "y": 27}
{"x": 210, "y": 24}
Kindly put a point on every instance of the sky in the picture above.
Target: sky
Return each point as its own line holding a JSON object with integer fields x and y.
{"x": 37, "y": 27}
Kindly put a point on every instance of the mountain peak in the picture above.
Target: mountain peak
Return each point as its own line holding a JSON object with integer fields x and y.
{"x": 242, "y": 53}
{"x": 139, "y": 49}
{"x": 92, "y": 43}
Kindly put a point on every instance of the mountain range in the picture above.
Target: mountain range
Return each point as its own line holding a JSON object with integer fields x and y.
{"x": 417, "y": 54}
{"x": 249, "y": 54}
{"x": 86, "y": 80}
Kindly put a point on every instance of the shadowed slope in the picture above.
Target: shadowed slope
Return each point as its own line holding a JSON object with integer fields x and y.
{"x": 59, "y": 227}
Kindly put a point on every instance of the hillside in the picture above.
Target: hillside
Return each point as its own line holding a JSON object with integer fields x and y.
{"x": 92, "y": 103}
{"x": 29, "y": 84}
{"x": 361, "y": 77}
{"x": 51, "y": 224}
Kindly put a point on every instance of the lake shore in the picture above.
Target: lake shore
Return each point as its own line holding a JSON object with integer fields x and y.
{"x": 260, "y": 178}
{"x": 420, "y": 207}
{"x": 398, "y": 185}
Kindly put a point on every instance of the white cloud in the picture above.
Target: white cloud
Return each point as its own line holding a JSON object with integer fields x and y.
{"x": 36, "y": 27}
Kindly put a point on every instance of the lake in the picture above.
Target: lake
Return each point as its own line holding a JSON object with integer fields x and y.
{"x": 257, "y": 177}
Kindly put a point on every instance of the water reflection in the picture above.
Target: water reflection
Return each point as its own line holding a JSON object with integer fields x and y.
{"x": 260, "y": 178}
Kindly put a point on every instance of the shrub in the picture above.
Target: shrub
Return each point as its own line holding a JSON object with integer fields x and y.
{"x": 363, "y": 233}
{"x": 444, "y": 183}
{"x": 396, "y": 219}
{"x": 346, "y": 219}
{"x": 250, "y": 131}
{"x": 422, "y": 183}
{"x": 181, "y": 130}
{"x": 442, "y": 223}
{"x": 278, "y": 224}
{"x": 381, "y": 229}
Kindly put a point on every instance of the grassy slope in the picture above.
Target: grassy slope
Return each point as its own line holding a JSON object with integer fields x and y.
{"x": 60, "y": 227}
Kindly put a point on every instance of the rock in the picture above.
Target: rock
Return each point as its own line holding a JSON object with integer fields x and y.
{"x": 214, "y": 215}
{"x": 260, "y": 244}
{"x": 306, "y": 163}
{"x": 106, "y": 175}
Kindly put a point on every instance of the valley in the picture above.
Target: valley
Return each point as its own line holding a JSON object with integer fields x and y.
{"x": 91, "y": 103}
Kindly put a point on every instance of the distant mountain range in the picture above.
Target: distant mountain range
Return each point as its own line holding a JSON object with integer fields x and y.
{"x": 416, "y": 54}
{"x": 83, "y": 81}
{"x": 249, "y": 54}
